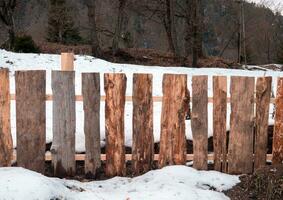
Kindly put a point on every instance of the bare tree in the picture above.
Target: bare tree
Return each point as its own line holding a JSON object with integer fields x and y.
{"x": 96, "y": 50}
{"x": 119, "y": 25}
{"x": 7, "y": 8}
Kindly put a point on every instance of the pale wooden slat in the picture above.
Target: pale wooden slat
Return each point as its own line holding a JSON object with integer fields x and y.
{"x": 64, "y": 123}
{"x": 219, "y": 122}
{"x": 263, "y": 94}
{"x": 31, "y": 119}
{"x": 91, "y": 104}
{"x": 199, "y": 121}
{"x": 6, "y": 142}
{"x": 67, "y": 61}
{"x": 242, "y": 125}
{"x": 115, "y": 90}
{"x": 143, "y": 141}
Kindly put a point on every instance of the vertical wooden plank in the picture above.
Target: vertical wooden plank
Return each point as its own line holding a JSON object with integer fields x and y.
{"x": 91, "y": 102}
{"x": 199, "y": 121}
{"x": 6, "y": 142}
{"x": 115, "y": 91}
{"x": 219, "y": 122}
{"x": 30, "y": 119}
{"x": 240, "y": 150}
{"x": 277, "y": 149}
{"x": 64, "y": 123}
{"x": 67, "y": 61}
{"x": 175, "y": 105}
{"x": 143, "y": 141}
{"x": 263, "y": 93}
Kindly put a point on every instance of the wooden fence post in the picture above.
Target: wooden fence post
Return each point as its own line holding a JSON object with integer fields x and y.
{"x": 6, "y": 142}
{"x": 31, "y": 119}
{"x": 277, "y": 149}
{"x": 219, "y": 122}
{"x": 64, "y": 123}
{"x": 115, "y": 90}
{"x": 143, "y": 141}
{"x": 240, "y": 150}
{"x": 175, "y": 106}
{"x": 91, "y": 102}
{"x": 199, "y": 121}
{"x": 67, "y": 61}
{"x": 263, "y": 93}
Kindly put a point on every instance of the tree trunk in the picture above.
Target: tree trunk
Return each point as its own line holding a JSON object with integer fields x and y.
{"x": 119, "y": 26}
{"x": 95, "y": 47}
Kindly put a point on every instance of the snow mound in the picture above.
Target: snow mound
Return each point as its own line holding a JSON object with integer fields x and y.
{"x": 173, "y": 182}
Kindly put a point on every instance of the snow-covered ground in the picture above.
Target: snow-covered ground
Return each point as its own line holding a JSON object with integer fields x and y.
{"x": 49, "y": 62}
{"x": 174, "y": 182}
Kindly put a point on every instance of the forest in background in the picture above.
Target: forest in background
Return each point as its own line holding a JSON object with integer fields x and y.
{"x": 235, "y": 30}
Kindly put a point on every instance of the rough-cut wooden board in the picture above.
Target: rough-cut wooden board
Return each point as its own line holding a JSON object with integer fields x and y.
{"x": 174, "y": 109}
{"x": 115, "y": 90}
{"x": 64, "y": 123}
{"x": 67, "y": 61}
{"x": 219, "y": 122}
{"x": 277, "y": 149}
{"x": 91, "y": 94}
{"x": 199, "y": 121}
{"x": 263, "y": 93}
{"x": 240, "y": 150}
{"x": 31, "y": 119}
{"x": 143, "y": 141}
{"x": 6, "y": 143}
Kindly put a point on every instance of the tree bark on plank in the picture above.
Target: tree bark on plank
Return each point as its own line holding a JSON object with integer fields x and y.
{"x": 263, "y": 94}
{"x": 6, "y": 142}
{"x": 31, "y": 119}
{"x": 91, "y": 104}
{"x": 199, "y": 121}
{"x": 219, "y": 122}
{"x": 175, "y": 106}
{"x": 277, "y": 149}
{"x": 64, "y": 123}
{"x": 240, "y": 150}
{"x": 115, "y": 91}
{"x": 143, "y": 141}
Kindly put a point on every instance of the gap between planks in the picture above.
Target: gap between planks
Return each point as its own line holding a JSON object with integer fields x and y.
{"x": 81, "y": 157}
{"x": 49, "y": 97}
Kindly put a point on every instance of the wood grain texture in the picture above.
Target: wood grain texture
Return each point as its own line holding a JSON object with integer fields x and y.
{"x": 199, "y": 121}
{"x": 240, "y": 150}
{"x": 219, "y": 122}
{"x": 31, "y": 119}
{"x": 263, "y": 94}
{"x": 6, "y": 142}
{"x": 277, "y": 149}
{"x": 143, "y": 141}
{"x": 91, "y": 104}
{"x": 64, "y": 123}
{"x": 115, "y": 90}
{"x": 67, "y": 61}
{"x": 174, "y": 109}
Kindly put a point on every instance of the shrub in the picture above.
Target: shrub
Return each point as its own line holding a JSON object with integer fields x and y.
{"x": 25, "y": 44}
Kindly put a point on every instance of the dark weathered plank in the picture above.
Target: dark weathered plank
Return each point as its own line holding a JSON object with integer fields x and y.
{"x": 174, "y": 109}
{"x": 115, "y": 91}
{"x": 31, "y": 119}
{"x": 6, "y": 142}
{"x": 263, "y": 93}
{"x": 64, "y": 123}
{"x": 277, "y": 149}
{"x": 199, "y": 121}
{"x": 219, "y": 122}
{"x": 240, "y": 157}
{"x": 91, "y": 101}
{"x": 143, "y": 141}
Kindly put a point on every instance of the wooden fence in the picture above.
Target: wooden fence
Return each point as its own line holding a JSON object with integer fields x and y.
{"x": 242, "y": 151}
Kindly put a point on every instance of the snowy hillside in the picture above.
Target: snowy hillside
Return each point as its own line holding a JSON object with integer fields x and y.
{"x": 48, "y": 62}
{"x": 175, "y": 182}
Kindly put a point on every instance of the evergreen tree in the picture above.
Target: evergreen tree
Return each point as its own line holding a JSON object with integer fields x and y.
{"x": 61, "y": 27}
